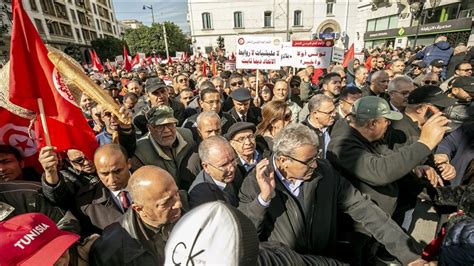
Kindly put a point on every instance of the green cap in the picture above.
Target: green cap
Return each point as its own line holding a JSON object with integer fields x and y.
{"x": 371, "y": 107}
{"x": 160, "y": 115}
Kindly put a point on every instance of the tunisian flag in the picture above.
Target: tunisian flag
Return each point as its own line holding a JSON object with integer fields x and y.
{"x": 126, "y": 62}
{"x": 96, "y": 65}
{"x": 348, "y": 56}
{"x": 28, "y": 56}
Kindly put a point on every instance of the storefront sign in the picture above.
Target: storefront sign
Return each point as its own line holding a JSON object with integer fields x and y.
{"x": 463, "y": 24}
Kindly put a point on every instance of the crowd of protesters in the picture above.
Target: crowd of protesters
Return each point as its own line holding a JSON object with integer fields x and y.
{"x": 279, "y": 167}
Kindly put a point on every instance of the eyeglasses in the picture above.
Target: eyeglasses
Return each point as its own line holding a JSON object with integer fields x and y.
{"x": 430, "y": 82}
{"x": 249, "y": 138}
{"x": 225, "y": 168}
{"x": 466, "y": 70}
{"x": 78, "y": 160}
{"x": 309, "y": 162}
{"x": 182, "y": 80}
{"x": 233, "y": 84}
{"x": 161, "y": 128}
{"x": 327, "y": 113}
{"x": 214, "y": 102}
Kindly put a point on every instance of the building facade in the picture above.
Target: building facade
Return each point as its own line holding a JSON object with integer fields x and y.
{"x": 131, "y": 24}
{"x": 390, "y": 23}
{"x": 290, "y": 20}
{"x": 64, "y": 24}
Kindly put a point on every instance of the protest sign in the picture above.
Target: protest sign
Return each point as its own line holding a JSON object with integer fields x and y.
{"x": 312, "y": 52}
{"x": 258, "y": 52}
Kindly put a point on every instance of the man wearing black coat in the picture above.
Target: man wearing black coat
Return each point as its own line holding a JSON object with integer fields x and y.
{"x": 99, "y": 204}
{"x": 140, "y": 236}
{"x": 293, "y": 198}
{"x": 218, "y": 179}
{"x": 243, "y": 111}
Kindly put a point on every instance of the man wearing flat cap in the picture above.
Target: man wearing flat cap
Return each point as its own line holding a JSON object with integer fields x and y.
{"x": 158, "y": 95}
{"x": 242, "y": 110}
{"x": 166, "y": 146}
{"x": 357, "y": 149}
{"x": 436, "y": 67}
{"x": 218, "y": 179}
{"x": 241, "y": 136}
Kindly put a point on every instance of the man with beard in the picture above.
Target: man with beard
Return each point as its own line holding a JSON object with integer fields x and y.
{"x": 140, "y": 236}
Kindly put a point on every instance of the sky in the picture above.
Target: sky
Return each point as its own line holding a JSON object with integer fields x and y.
{"x": 164, "y": 10}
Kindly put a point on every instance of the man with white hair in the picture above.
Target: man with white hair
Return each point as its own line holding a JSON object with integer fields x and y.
{"x": 293, "y": 198}
{"x": 398, "y": 90}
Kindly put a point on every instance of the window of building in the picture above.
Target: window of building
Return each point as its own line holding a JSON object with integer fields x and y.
{"x": 78, "y": 35}
{"x": 39, "y": 25}
{"x": 47, "y": 7}
{"x": 206, "y": 21}
{"x": 33, "y": 5}
{"x": 66, "y": 30}
{"x": 73, "y": 15}
{"x": 384, "y": 23}
{"x": 85, "y": 34}
{"x": 53, "y": 28}
{"x": 95, "y": 8}
{"x": 440, "y": 14}
{"x": 238, "y": 19}
{"x": 61, "y": 11}
{"x": 267, "y": 19}
{"x": 298, "y": 18}
{"x": 330, "y": 7}
{"x": 98, "y": 24}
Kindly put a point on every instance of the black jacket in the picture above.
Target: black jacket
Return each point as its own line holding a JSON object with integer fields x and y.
{"x": 372, "y": 167}
{"x": 254, "y": 115}
{"x": 120, "y": 244}
{"x": 204, "y": 190}
{"x": 93, "y": 205}
{"x": 191, "y": 124}
{"x": 312, "y": 229}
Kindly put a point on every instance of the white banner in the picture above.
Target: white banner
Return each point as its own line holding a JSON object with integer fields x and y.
{"x": 286, "y": 54}
{"x": 312, "y": 52}
{"x": 337, "y": 54}
{"x": 258, "y": 52}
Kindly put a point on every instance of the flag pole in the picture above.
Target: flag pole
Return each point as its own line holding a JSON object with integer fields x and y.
{"x": 256, "y": 84}
{"x": 43, "y": 121}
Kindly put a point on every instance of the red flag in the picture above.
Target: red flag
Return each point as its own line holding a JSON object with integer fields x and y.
{"x": 136, "y": 60}
{"x": 318, "y": 72}
{"x": 170, "y": 61}
{"x": 232, "y": 57}
{"x": 67, "y": 126}
{"x": 213, "y": 67}
{"x": 14, "y": 131}
{"x": 126, "y": 63}
{"x": 204, "y": 68}
{"x": 96, "y": 65}
{"x": 348, "y": 56}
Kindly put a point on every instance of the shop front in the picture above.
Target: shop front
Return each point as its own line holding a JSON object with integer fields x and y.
{"x": 457, "y": 31}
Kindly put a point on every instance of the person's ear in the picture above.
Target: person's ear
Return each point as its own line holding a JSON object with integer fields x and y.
{"x": 129, "y": 164}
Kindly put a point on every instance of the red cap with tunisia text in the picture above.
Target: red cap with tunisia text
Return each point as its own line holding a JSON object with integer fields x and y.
{"x": 32, "y": 239}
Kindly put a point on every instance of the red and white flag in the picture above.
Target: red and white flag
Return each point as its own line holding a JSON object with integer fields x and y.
{"x": 348, "y": 56}
{"x": 96, "y": 64}
{"x": 136, "y": 60}
{"x": 126, "y": 62}
{"x": 68, "y": 127}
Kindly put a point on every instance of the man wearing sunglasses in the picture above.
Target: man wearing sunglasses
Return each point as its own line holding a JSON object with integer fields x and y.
{"x": 217, "y": 180}
{"x": 293, "y": 198}
{"x": 235, "y": 81}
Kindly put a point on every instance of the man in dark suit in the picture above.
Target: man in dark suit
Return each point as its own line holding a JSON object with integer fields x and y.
{"x": 242, "y": 110}
{"x": 218, "y": 179}
{"x": 99, "y": 204}
{"x": 241, "y": 136}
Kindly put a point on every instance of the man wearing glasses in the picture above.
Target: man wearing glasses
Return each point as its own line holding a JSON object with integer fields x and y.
{"x": 218, "y": 179}
{"x": 293, "y": 198}
{"x": 398, "y": 90}
{"x": 463, "y": 69}
{"x": 322, "y": 113}
{"x": 158, "y": 95}
{"x": 235, "y": 81}
{"x": 166, "y": 146}
{"x": 241, "y": 136}
{"x": 359, "y": 150}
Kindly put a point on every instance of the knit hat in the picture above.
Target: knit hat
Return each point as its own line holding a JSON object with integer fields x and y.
{"x": 214, "y": 233}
